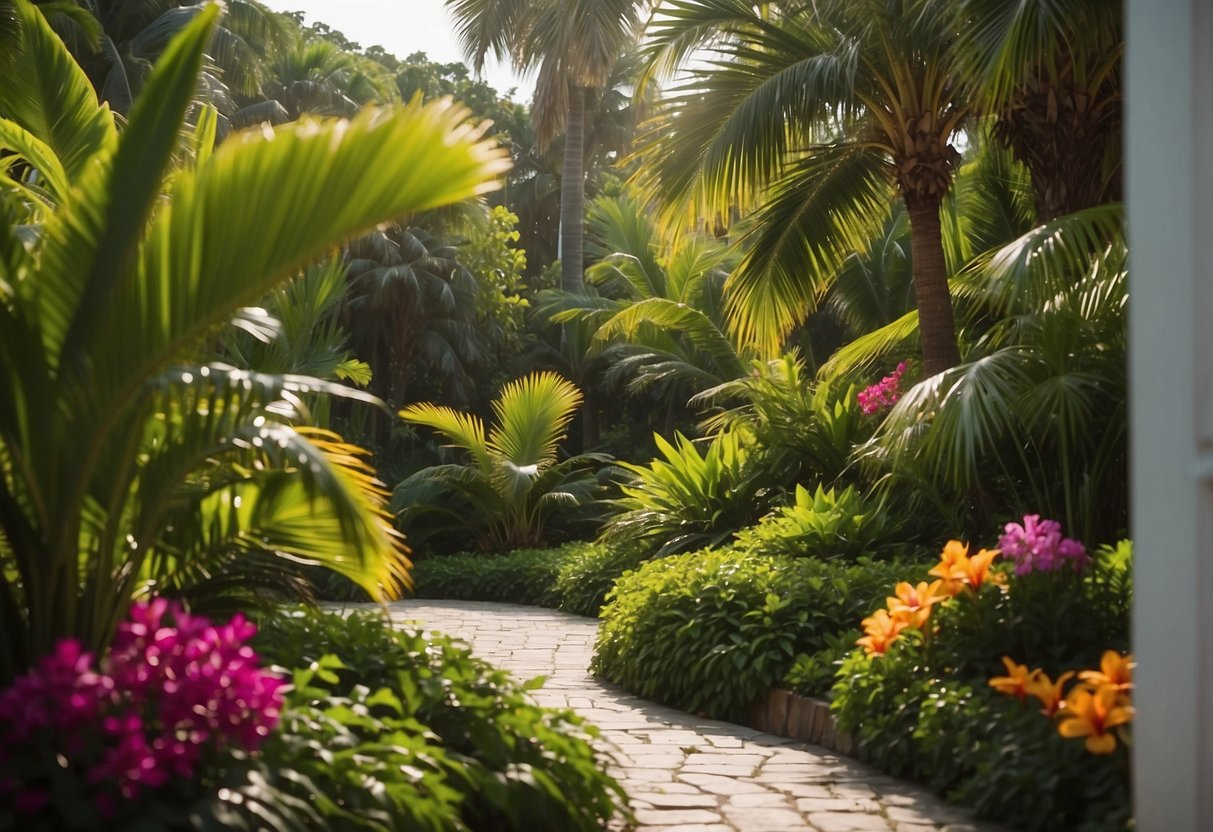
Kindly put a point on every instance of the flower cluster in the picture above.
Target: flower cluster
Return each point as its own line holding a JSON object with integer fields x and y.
{"x": 174, "y": 688}
{"x": 909, "y": 608}
{"x": 883, "y": 394}
{"x": 1038, "y": 546}
{"x": 1097, "y": 708}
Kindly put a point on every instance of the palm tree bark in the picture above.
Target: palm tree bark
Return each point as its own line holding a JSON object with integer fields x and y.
{"x": 572, "y": 196}
{"x": 930, "y": 273}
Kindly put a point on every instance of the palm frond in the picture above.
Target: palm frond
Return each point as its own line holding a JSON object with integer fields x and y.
{"x": 532, "y": 414}
{"x": 827, "y": 205}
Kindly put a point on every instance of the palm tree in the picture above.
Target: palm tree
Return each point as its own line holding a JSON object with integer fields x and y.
{"x": 575, "y": 44}
{"x": 1049, "y": 72}
{"x": 513, "y": 477}
{"x": 813, "y": 114}
{"x": 125, "y": 459}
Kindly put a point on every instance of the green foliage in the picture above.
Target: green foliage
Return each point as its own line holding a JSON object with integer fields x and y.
{"x": 924, "y": 709}
{"x": 710, "y": 631}
{"x": 399, "y": 730}
{"x": 521, "y": 576}
{"x": 575, "y": 577}
{"x": 824, "y": 524}
{"x": 807, "y": 431}
{"x": 590, "y": 572}
{"x": 1002, "y": 757}
{"x": 493, "y": 256}
{"x": 688, "y": 500}
{"x": 513, "y": 478}
{"x": 128, "y": 463}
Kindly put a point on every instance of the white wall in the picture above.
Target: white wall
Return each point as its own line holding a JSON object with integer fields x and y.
{"x": 1170, "y": 204}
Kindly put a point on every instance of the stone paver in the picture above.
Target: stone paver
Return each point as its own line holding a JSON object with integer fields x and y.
{"x": 683, "y": 772}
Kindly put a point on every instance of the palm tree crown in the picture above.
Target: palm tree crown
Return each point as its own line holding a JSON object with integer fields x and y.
{"x": 812, "y": 115}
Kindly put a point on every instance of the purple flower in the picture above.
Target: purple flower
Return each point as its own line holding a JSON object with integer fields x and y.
{"x": 1038, "y": 546}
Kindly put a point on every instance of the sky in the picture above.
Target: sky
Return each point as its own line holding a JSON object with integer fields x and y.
{"x": 402, "y": 27}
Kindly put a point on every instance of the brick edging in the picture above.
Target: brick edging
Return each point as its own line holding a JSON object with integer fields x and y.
{"x": 789, "y": 714}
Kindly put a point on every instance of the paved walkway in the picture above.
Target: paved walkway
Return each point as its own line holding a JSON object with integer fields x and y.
{"x": 683, "y": 773}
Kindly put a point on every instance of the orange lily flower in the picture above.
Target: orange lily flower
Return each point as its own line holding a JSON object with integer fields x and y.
{"x": 1115, "y": 671}
{"x": 1048, "y": 691}
{"x": 954, "y": 554}
{"x": 882, "y": 630}
{"x": 912, "y": 604}
{"x": 1016, "y": 682}
{"x": 1093, "y": 715}
{"x": 975, "y": 571}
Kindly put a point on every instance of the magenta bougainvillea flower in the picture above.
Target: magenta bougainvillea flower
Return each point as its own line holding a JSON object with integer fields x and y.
{"x": 174, "y": 690}
{"x": 883, "y": 394}
{"x": 1038, "y": 546}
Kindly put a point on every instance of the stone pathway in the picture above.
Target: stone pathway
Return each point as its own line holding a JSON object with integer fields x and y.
{"x": 683, "y": 773}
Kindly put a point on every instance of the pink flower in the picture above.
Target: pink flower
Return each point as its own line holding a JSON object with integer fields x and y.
{"x": 882, "y": 395}
{"x": 173, "y": 690}
{"x": 1038, "y": 546}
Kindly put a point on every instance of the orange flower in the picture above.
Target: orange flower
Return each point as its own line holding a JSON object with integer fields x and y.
{"x": 975, "y": 572}
{"x": 1093, "y": 715}
{"x": 882, "y": 630}
{"x": 1048, "y": 691}
{"x": 954, "y": 554}
{"x": 1115, "y": 671}
{"x": 1016, "y": 682}
{"x": 912, "y": 604}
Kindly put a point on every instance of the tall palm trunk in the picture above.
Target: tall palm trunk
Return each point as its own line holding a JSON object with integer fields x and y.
{"x": 572, "y": 196}
{"x": 930, "y": 273}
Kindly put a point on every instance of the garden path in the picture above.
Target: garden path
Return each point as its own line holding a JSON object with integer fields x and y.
{"x": 684, "y": 773}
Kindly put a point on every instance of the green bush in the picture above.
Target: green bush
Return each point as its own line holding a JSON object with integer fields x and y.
{"x": 523, "y": 576}
{"x": 574, "y": 577}
{"x": 400, "y": 730}
{"x": 710, "y": 631}
{"x": 825, "y": 524}
{"x": 590, "y": 573}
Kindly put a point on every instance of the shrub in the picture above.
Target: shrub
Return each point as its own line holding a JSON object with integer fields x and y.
{"x": 575, "y": 577}
{"x": 825, "y": 524}
{"x": 489, "y": 750}
{"x": 523, "y": 576}
{"x": 710, "y": 631}
{"x": 590, "y": 573}
{"x": 685, "y": 500}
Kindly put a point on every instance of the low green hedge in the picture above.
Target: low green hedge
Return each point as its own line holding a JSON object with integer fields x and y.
{"x": 391, "y": 730}
{"x": 710, "y": 631}
{"x": 574, "y": 577}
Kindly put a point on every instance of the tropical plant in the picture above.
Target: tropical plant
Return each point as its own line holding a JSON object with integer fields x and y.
{"x": 657, "y": 313}
{"x": 513, "y": 477}
{"x": 814, "y": 114}
{"x": 411, "y": 310}
{"x": 1049, "y": 71}
{"x": 126, "y": 463}
{"x": 686, "y": 500}
{"x": 575, "y": 44}
{"x": 1037, "y": 421}
{"x": 807, "y": 431}
{"x": 824, "y": 524}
